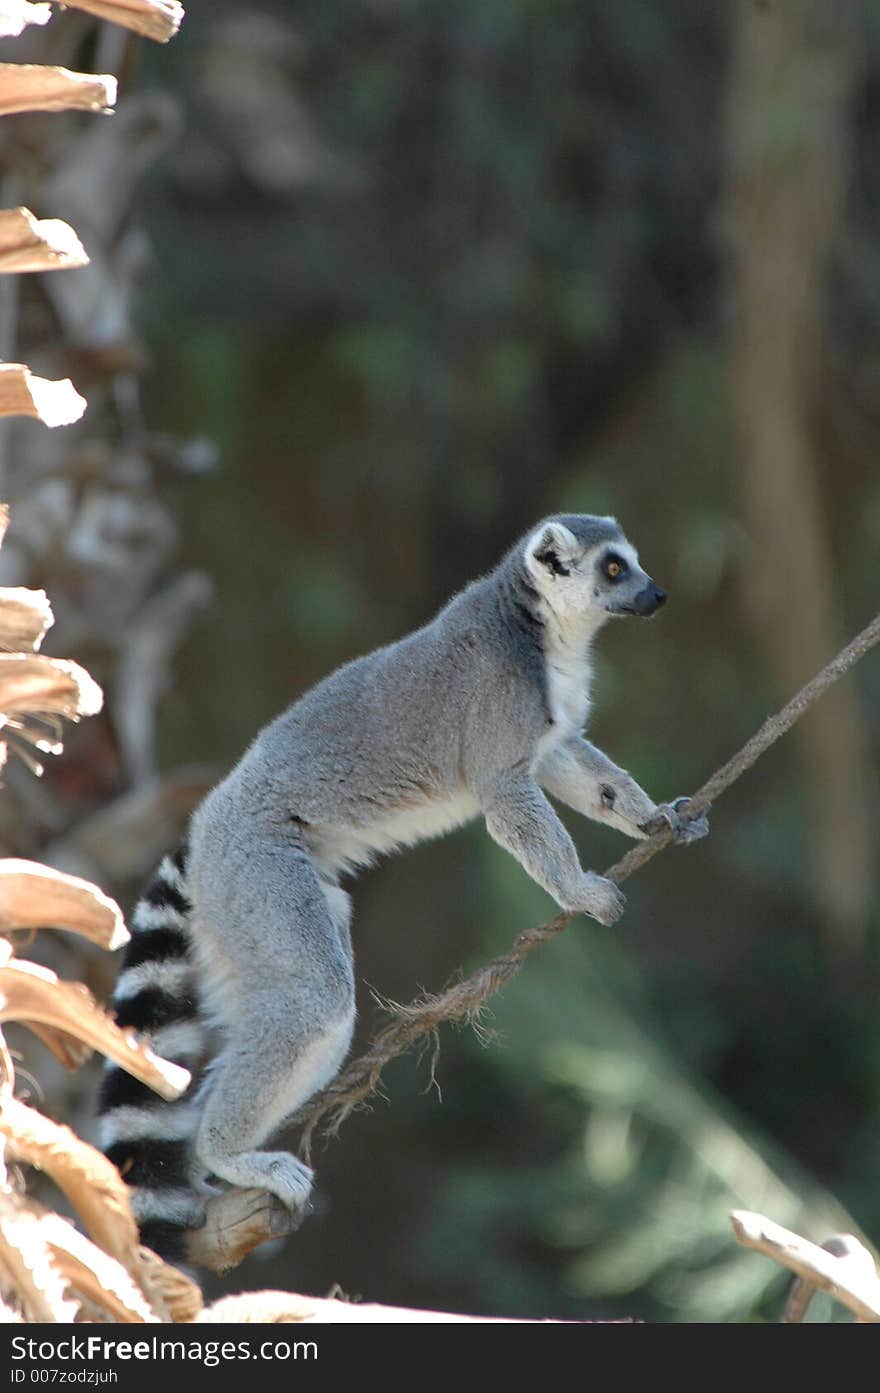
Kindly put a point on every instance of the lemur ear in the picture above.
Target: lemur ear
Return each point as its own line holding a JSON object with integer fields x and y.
{"x": 551, "y": 549}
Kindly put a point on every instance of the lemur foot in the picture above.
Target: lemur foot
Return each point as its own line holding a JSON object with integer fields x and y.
{"x": 283, "y": 1175}
{"x": 600, "y": 898}
{"x": 685, "y": 829}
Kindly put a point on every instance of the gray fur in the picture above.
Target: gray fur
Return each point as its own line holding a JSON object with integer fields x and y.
{"x": 478, "y": 713}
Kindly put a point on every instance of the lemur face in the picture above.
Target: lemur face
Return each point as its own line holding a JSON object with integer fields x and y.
{"x": 597, "y": 579}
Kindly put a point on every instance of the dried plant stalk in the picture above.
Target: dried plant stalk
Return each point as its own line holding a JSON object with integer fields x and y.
{"x": 34, "y": 692}
{"x": 7, "y": 1082}
{"x": 16, "y": 15}
{"x": 24, "y": 394}
{"x": 37, "y": 244}
{"x": 287, "y": 1307}
{"x": 33, "y": 684}
{"x": 93, "y": 1274}
{"x": 25, "y": 617}
{"x": 93, "y": 1185}
{"x": 101, "y": 1200}
{"x": 28, "y": 1267}
{"x": 30, "y": 87}
{"x": 36, "y": 897}
{"x": 155, "y": 19}
{"x": 850, "y": 1253}
{"x": 170, "y": 1292}
{"x": 856, "y": 1285}
{"x": 31, "y": 993}
{"x": 69, "y": 1052}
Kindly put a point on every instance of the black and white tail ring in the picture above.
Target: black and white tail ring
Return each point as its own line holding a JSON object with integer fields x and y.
{"x": 148, "y": 1138}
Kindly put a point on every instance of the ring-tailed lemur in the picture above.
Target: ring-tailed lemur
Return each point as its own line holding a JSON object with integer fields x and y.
{"x": 246, "y": 930}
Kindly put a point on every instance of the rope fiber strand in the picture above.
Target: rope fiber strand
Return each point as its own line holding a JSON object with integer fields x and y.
{"x": 418, "y": 1022}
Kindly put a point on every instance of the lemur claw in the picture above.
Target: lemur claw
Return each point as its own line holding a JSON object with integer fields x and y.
{"x": 685, "y": 829}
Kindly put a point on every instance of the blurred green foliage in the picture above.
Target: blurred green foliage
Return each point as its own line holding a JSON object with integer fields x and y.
{"x": 496, "y": 290}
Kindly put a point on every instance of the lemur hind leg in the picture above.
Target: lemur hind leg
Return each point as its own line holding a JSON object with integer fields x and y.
{"x": 285, "y": 1008}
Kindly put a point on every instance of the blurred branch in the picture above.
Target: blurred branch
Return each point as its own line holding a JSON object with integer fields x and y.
{"x": 789, "y": 129}
{"x": 144, "y": 666}
{"x": 121, "y": 841}
{"x": 851, "y": 1277}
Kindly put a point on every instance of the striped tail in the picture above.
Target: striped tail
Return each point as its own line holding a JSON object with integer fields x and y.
{"x": 148, "y": 1138}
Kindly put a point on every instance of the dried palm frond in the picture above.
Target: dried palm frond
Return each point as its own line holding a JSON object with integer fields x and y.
{"x": 37, "y": 244}
{"x": 31, "y": 87}
{"x": 31, "y": 993}
{"x": 34, "y": 897}
{"x": 155, "y": 19}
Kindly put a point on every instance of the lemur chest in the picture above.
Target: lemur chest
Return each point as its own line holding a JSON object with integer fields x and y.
{"x": 568, "y": 699}
{"x": 568, "y": 691}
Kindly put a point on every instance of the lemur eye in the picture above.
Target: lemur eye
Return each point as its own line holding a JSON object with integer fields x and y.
{"x": 614, "y": 567}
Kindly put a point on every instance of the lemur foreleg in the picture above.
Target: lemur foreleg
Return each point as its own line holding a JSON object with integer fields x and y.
{"x": 582, "y": 777}
{"x": 520, "y": 819}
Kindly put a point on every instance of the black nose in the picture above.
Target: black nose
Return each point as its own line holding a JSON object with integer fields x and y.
{"x": 650, "y": 599}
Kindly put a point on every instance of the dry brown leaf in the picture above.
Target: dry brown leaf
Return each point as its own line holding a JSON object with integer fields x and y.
{"x": 24, "y": 394}
{"x": 155, "y": 19}
{"x": 31, "y": 87}
{"x": 16, "y": 15}
{"x": 34, "y": 692}
{"x": 32, "y": 993}
{"x": 7, "y": 1082}
{"x": 101, "y": 1200}
{"x": 70, "y": 1052}
{"x": 25, "y": 616}
{"x": 92, "y": 1184}
{"x": 34, "y": 684}
{"x": 93, "y": 1274}
{"x": 37, "y": 897}
{"x": 8, "y": 1314}
{"x": 169, "y": 1291}
{"x": 27, "y": 1265}
{"x": 37, "y": 244}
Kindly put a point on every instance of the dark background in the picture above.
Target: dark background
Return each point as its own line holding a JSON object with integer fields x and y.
{"x": 424, "y": 272}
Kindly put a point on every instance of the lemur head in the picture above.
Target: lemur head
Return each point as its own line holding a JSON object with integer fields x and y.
{"x": 583, "y": 566}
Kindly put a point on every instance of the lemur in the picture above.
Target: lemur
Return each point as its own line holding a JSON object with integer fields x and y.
{"x": 242, "y": 940}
